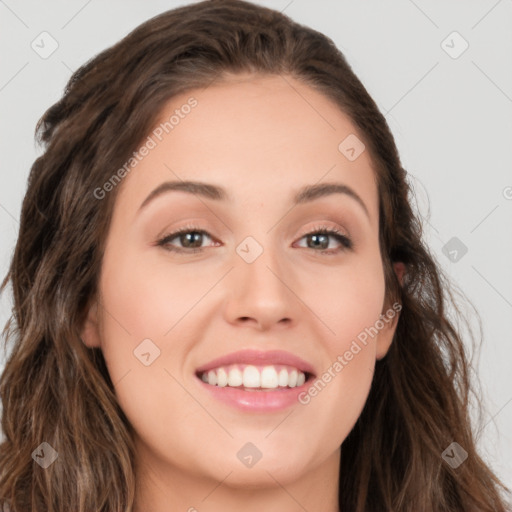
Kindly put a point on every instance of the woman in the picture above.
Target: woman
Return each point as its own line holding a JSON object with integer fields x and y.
{"x": 221, "y": 295}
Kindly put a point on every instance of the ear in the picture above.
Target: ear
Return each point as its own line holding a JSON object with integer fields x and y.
{"x": 90, "y": 332}
{"x": 399, "y": 268}
{"x": 389, "y": 318}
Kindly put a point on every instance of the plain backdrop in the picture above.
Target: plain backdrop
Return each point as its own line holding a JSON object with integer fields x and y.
{"x": 439, "y": 70}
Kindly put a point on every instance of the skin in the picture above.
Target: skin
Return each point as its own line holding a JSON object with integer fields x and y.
{"x": 261, "y": 138}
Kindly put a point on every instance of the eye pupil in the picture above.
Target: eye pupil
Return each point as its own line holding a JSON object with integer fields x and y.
{"x": 191, "y": 235}
{"x": 316, "y": 238}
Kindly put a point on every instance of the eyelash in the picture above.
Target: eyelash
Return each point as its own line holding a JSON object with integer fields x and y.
{"x": 345, "y": 241}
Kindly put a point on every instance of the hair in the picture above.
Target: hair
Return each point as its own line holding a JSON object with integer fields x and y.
{"x": 56, "y": 390}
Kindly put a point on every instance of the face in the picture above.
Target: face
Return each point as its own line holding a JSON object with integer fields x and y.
{"x": 261, "y": 265}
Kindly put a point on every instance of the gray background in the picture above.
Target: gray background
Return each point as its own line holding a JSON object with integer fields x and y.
{"x": 451, "y": 117}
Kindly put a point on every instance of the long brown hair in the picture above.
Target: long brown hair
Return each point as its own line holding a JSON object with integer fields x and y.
{"x": 56, "y": 390}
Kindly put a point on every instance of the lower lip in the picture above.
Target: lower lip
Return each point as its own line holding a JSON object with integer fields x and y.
{"x": 256, "y": 401}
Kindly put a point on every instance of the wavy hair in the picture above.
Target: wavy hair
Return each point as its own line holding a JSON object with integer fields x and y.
{"x": 56, "y": 390}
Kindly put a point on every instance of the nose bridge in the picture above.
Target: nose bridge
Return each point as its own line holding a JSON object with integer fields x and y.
{"x": 260, "y": 291}
{"x": 259, "y": 267}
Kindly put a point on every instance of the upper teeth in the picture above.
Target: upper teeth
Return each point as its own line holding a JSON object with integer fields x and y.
{"x": 250, "y": 376}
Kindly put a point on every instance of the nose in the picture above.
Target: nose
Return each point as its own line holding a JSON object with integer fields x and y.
{"x": 261, "y": 295}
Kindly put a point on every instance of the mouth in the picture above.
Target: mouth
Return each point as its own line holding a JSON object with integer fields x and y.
{"x": 256, "y": 378}
{"x": 255, "y": 381}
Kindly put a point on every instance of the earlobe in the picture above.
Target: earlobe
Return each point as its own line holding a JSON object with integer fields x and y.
{"x": 90, "y": 333}
{"x": 386, "y": 334}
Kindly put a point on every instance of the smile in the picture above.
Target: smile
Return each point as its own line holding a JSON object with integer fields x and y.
{"x": 251, "y": 377}
{"x": 256, "y": 381}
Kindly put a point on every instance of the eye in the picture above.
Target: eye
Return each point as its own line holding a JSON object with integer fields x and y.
{"x": 189, "y": 237}
{"x": 319, "y": 239}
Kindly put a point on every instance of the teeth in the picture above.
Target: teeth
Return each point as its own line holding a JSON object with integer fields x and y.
{"x": 212, "y": 378}
{"x": 283, "y": 378}
{"x": 250, "y": 376}
{"x": 235, "y": 378}
{"x": 269, "y": 377}
{"x": 222, "y": 377}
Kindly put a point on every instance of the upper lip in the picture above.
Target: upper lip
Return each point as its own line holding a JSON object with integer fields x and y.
{"x": 258, "y": 357}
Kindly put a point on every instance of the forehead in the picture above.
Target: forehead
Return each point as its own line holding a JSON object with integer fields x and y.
{"x": 256, "y": 136}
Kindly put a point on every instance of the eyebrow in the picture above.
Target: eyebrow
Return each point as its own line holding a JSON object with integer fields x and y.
{"x": 217, "y": 193}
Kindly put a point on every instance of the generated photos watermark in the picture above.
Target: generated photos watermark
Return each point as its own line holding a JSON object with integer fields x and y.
{"x": 150, "y": 143}
{"x": 343, "y": 360}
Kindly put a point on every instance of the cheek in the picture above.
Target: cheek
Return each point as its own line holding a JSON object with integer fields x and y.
{"x": 148, "y": 300}
{"x": 349, "y": 304}
{"x": 144, "y": 302}
{"x": 347, "y": 299}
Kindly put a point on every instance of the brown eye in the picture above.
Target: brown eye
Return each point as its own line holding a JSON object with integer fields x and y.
{"x": 193, "y": 239}
{"x": 190, "y": 240}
